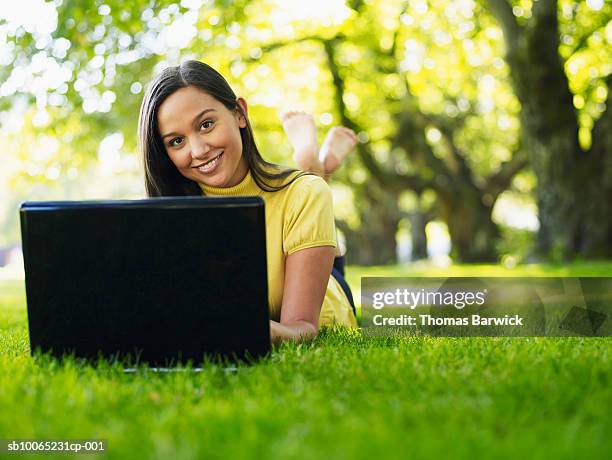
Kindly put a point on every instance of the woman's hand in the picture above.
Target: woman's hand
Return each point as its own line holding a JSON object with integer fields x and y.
{"x": 307, "y": 273}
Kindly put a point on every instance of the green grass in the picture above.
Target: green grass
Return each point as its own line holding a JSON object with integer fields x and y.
{"x": 342, "y": 396}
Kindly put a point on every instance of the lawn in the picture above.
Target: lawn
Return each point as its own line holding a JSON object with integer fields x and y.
{"x": 342, "y": 396}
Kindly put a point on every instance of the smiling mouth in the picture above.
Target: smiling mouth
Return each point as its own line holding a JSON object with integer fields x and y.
{"x": 210, "y": 164}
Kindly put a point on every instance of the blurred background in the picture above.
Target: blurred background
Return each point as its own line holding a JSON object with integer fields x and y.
{"x": 484, "y": 126}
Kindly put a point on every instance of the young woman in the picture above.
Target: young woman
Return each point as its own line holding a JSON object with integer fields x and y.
{"x": 196, "y": 139}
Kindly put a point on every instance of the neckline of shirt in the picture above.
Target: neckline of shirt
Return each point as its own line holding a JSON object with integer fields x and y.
{"x": 246, "y": 186}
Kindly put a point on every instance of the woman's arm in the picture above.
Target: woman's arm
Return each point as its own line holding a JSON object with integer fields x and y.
{"x": 306, "y": 276}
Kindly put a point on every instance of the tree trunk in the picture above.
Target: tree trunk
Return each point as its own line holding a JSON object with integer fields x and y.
{"x": 373, "y": 243}
{"x": 574, "y": 191}
{"x": 473, "y": 233}
{"x": 418, "y": 236}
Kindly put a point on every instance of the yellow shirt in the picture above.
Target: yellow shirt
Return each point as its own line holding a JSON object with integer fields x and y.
{"x": 299, "y": 216}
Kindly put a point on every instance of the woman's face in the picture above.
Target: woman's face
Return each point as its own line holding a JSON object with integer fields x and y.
{"x": 202, "y": 137}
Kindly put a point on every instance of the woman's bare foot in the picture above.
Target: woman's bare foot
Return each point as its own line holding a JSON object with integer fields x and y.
{"x": 339, "y": 142}
{"x": 302, "y": 134}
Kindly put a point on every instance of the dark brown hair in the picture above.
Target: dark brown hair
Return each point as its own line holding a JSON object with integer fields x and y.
{"x": 162, "y": 178}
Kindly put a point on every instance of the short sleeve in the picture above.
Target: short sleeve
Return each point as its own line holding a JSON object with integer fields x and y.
{"x": 309, "y": 216}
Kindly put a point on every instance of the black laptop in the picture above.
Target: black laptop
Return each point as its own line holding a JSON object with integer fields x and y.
{"x": 160, "y": 281}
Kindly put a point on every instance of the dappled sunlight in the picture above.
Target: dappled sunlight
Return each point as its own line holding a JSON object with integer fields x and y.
{"x": 72, "y": 82}
{"x": 35, "y": 16}
{"x": 595, "y": 4}
{"x": 324, "y": 12}
{"x": 438, "y": 243}
{"x": 516, "y": 213}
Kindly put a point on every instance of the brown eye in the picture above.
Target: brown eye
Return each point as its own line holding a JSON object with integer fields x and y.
{"x": 207, "y": 124}
{"x": 176, "y": 141}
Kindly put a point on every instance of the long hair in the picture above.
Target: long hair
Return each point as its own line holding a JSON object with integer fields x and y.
{"x": 162, "y": 178}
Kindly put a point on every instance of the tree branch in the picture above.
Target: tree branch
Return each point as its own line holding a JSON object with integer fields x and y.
{"x": 601, "y": 133}
{"x": 448, "y": 133}
{"x": 584, "y": 39}
{"x": 411, "y": 124}
{"x": 393, "y": 49}
{"x": 502, "y": 10}
{"x": 499, "y": 181}
{"x": 356, "y": 5}
{"x": 384, "y": 178}
{"x": 281, "y": 44}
